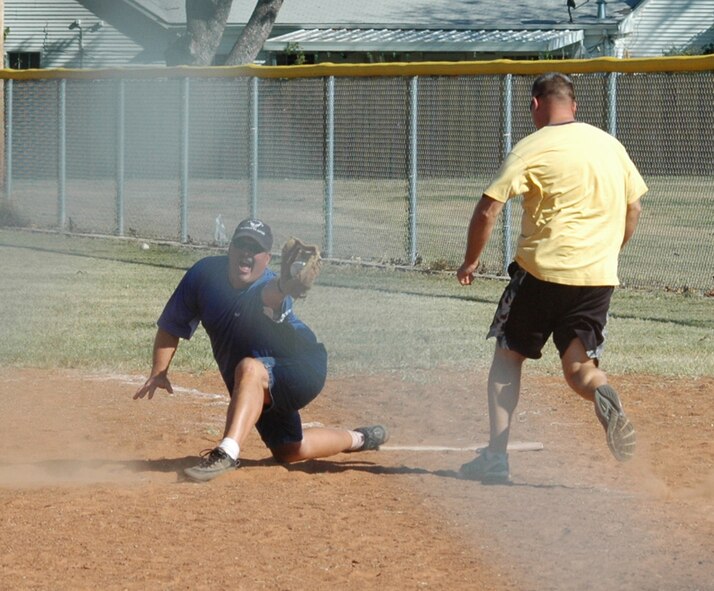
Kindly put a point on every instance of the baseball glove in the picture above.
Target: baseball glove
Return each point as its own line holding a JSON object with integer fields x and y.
{"x": 300, "y": 265}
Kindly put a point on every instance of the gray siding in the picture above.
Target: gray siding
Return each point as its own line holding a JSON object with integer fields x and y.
{"x": 43, "y": 26}
{"x": 662, "y": 27}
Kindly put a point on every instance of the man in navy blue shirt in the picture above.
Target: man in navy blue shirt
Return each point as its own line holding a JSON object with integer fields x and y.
{"x": 270, "y": 361}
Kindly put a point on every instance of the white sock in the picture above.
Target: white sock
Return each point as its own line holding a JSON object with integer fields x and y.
{"x": 357, "y": 440}
{"x": 230, "y": 446}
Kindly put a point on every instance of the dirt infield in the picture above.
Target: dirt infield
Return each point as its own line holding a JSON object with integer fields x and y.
{"x": 92, "y": 496}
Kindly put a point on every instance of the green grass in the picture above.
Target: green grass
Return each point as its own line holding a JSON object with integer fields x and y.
{"x": 671, "y": 247}
{"x": 93, "y": 303}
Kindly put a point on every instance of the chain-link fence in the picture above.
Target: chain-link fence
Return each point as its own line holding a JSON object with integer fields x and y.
{"x": 382, "y": 168}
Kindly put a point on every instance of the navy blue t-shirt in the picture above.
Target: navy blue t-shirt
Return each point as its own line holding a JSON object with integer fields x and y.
{"x": 234, "y": 319}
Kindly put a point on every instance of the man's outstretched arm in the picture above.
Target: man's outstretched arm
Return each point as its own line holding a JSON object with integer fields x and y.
{"x": 482, "y": 223}
{"x": 165, "y": 345}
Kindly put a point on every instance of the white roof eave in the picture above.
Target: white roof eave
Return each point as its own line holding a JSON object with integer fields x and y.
{"x": 391, "y": 40}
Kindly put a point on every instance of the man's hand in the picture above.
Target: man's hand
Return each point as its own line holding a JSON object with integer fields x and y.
{"x": 465, "y": 274}
{"x": 150, "y": 386}
{"x": 165, "y": 345}
{"x": 481, "y": 225}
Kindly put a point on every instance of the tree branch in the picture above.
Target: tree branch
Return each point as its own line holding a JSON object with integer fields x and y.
{"x": 256, "y": 31}
{"x": 205, "y": 23}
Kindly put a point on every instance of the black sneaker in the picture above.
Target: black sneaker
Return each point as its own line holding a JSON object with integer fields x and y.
{"x": 488, "y": 468}
{"x": 620, "y": 433}
{"x": 373, "y": 437}
{"x": 214, "y": 462}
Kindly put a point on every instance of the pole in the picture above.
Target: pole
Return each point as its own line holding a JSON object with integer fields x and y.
{"x": 81, "y": 48}
{"x": 62, "y": 155}
{"x": 612, "y": 103}
{"x": 507, "y": 144}
{"x": 329, "y": 162}
{"x": 121, "y": 137}
{"x": 8, "y": 139}
{"x": 183, "y": 160}
{"x": 413, "y": 176}
{"x": 254, "y": 147}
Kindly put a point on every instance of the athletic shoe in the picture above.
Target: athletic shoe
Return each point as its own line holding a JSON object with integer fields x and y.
{"x": 373, "y": 437}
{"x": 488, "y": 467}
{"x": 620, "y": 433}
{"x": 214, "y": 462}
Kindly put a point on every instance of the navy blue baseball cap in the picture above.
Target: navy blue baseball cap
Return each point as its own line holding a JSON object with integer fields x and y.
{"x": 255, "y": 230}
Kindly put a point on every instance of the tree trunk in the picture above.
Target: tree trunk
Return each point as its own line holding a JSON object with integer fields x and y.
{"x": 255, "y": 33}
{"x": 205, "y": 23}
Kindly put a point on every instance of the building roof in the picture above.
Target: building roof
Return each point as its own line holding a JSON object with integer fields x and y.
{"x": 398, "y": 14}
{"x": 138, "y": 31}
{"x": 426, "y": 40}
{"x": 524, "y": 27}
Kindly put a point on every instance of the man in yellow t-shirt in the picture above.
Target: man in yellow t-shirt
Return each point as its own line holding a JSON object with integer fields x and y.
{"x": 581, "y": 203}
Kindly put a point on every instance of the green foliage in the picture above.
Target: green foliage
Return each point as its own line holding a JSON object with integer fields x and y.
{"x": 93, "y": 303}
{"x": 707, "y": 49}
{"x": 295, "y": 51}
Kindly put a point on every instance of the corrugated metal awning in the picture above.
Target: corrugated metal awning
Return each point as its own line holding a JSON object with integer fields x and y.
{"x": 413, "y": 40}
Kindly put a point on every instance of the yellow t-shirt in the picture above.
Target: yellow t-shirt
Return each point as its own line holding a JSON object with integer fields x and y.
{"x": 576, "y": 181}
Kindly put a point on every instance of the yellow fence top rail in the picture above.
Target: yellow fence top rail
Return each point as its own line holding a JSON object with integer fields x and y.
{"x": 494, "y": 67}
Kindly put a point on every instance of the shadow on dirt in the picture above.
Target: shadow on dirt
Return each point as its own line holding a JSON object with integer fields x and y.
{"x": 61, "y": 470}
{"x": 328, "y": 466}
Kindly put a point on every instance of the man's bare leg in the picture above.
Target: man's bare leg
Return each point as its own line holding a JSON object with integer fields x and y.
{"x": 585, "y": 377}
{"x": 504, "y": 387}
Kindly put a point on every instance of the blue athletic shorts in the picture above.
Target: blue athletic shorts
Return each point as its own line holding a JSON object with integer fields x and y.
{"x": 294, "y": 382}
{"x": 530, "y": 310}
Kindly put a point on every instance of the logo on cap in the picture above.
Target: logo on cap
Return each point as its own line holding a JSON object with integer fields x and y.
{"x": 256, "y": 230}
{"x": 254, "y": 225}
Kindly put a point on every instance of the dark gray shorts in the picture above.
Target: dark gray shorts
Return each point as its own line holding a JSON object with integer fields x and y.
{"x": 294, "y": 383}
{"x": 530, "y": 310}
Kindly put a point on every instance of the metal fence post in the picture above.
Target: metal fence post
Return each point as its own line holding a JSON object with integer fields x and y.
{"x": 121, "y": 136}
{"x": 329, "y": 162}
{"x": 612, "y": 103}
{"x": 8, "y": 139}
{"x": 254, "y": 147}
{"x": 507, "y": 144}
{"x": 183, "y": 158}
{"x": 413, "y": 162}
{"x": 62, "y": 155}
